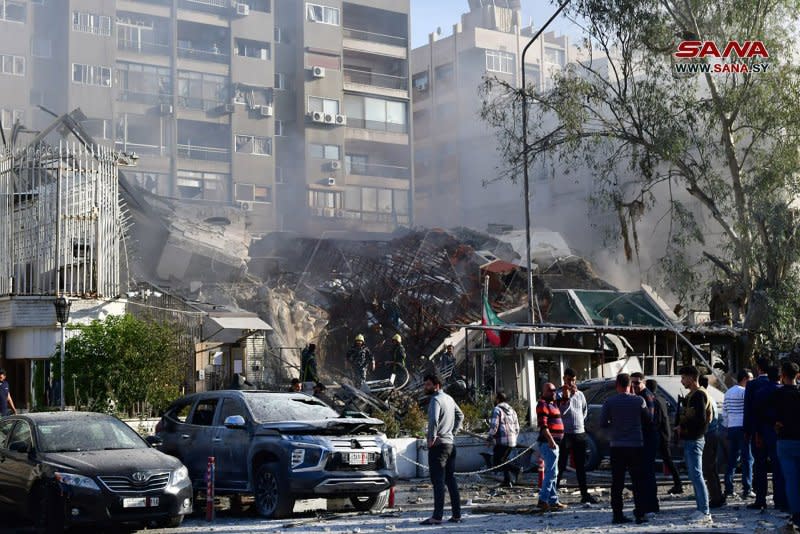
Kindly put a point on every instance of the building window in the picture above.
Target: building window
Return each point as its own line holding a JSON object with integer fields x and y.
{"x": 444, "y": 73}
{"x": 421, "y": 80}
{"x": 10, "y": 117}
{"x": 279, "y": 178}
{"x": 497, "y": 61}
{"x": 324, "y": 105}
{"x": 14, "y": 65}
{"x": 11, "y": 11}
{"x": 153, "y": 182}
{"x": 252, "y": 49}
{"x": 325, "y": 203}
{"x": 253, "y": 193}
{"x": 253, "y": 144}
{"x": 42, "y": 48}
{"x": 376, "y": 114}
{"x": 98, "y": 129}
{"x": 258, "y": 5}
{"x": 278, "y": 35}
{"x": 554, "y": 55}
{"x": 323, "y": 14}
{"x": 201, "y": 185}
{"x": 91, "y": 75}
{"x": 90, "y": 23}
{"x": 278, "y": 128}
{"x": 201, "y": 90}
{"x": 280, "y": 81}
{"x": 324, "y": 151}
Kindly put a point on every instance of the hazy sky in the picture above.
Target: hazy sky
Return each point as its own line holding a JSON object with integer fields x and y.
{"x": 426, "y": 15}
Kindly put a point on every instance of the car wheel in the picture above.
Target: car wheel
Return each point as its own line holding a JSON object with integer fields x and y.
{"x": 375, "y": 502}
{"x": 272, "y": 500}
{"x": 592, "y": 454}
{"x": 170, "y": 522}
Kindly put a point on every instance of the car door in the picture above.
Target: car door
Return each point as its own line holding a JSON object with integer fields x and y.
{"x": 19, "y": 464}
{"x": 196, "y": 436}
{"x": 5, "y": 477}
{"x": 231, "y": 445}
{"x": 175, "y": 421}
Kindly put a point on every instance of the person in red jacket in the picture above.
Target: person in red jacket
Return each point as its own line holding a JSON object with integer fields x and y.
{"x": 551, "y": 431}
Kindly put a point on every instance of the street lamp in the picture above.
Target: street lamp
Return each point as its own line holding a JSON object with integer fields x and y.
{"x": 62, "y": 316}
{"x": 525, "y": 161}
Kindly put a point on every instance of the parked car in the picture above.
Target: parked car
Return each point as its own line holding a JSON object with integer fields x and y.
{"x": 82, "y": 468}
{"x": 599, "y": 389}
{"x": 279, "y": 447}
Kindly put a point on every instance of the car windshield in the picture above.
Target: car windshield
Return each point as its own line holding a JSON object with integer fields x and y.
{"x": 268, "y": 408}
{"x": 87, "y": 435}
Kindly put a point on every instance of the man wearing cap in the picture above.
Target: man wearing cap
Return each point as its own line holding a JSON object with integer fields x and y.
{"x": 398, "y": 351}
{"x": 5, "y": 396}
{"x": 360, "y": 358}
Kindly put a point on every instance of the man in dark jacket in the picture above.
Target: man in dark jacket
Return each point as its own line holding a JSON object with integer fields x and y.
{"x": 759, "y": 421}
{"x": 664, "y": 426}
{"x": 787, "y": 425}
{"x": 692, "y": 426}
{"x": 308, "y": 364}
{"x": 650, "y": 438}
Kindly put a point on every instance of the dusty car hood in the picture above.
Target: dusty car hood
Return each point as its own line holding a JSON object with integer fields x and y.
{"x": 340, "y": 426}
{"x": 117, "y": 462}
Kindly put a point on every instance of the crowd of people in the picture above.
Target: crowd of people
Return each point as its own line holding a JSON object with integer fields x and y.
{"x": 757, "y": 425}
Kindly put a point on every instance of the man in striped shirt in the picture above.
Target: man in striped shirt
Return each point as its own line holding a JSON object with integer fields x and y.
{"x": 551, "y": 431}
{"x": 733, "y": 416}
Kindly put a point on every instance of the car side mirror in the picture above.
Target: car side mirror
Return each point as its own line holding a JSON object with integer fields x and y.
{"x": 235, "y": 421}
{"x": 19, "y": 446}
{"x": 154, "y": 441}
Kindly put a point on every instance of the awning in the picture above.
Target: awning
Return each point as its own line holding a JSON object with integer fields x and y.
{"x": 230, "y": 328}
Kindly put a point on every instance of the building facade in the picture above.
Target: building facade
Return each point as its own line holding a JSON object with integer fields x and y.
{"x": 272, "y": 106}
{"x": 456, "y": 159}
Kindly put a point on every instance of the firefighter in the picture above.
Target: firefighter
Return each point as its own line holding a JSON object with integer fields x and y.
{"x": 398, "y": 351}
{"x": 359, "y": 359}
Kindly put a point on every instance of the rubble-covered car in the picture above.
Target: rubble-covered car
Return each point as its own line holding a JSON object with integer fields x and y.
{"x": 88, "y": 469}
{"x": 279, "y": 447}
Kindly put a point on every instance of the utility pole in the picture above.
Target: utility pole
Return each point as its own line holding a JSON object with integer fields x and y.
{"x": 527, "y": 194}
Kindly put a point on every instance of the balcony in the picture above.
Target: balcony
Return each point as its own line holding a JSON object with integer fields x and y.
{"x": 375, "y": 79}
{"x": 138, "y": 47}
{"x": 204, "y": 153}
{"x": 199, "y": 104}
{"x": 372, "y": 37}
{"x": 378, "y": 170}
{"x": 389, "y": 127}
{"x": 144, "y": 98}
{"x": 211, "y": 53}
{"x": 205, "y": 5}
{"x": 142, "y": 149}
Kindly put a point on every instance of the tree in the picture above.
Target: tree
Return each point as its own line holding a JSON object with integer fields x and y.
{"x": 135, "y": 363}
{"x": 723, "y": 145}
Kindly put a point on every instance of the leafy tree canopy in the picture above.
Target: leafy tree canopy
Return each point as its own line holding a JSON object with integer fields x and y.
{"x": 722, "y": 146}
{"x": 135, "y": 363}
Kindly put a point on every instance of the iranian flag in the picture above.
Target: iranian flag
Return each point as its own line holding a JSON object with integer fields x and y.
{"x": 496, "y": 338}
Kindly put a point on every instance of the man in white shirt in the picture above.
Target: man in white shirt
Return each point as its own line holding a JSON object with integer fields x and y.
{"x": 733, "y": 414}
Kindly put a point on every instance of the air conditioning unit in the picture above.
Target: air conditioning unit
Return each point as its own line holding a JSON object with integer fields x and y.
{"x": 331, "y": 179}
{"x": 242, "y": 9}
{"x": 330, "y": 118}
{"x": 316, "y": 116}
{"x": 246, "y": 206}
{"x": 226, "y": 108}
{"x": 336, "y": 165}
{"x": 318, "y": 72}
{"x": 165, "y": 109}
{"x": 266, "y": 111}
{"x": 341, "y": 120}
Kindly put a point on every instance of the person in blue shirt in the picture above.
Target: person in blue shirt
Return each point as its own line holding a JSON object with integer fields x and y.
{"x": 6, "y": 401}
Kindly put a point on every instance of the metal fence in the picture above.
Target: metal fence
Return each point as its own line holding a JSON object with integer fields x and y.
{"x": 60, "y": 221}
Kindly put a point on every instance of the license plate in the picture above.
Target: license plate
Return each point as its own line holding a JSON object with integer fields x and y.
{"x": 139, "y": 502}
{"x": 358, "y": 458}
{"x": 134, "y": 502}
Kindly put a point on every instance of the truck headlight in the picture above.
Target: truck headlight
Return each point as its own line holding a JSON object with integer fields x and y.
{"x": 179, "y": 476}
{"x": 77, "y": 481}
{"x": 298, "y": 456}
{"x": 305, "y": 456}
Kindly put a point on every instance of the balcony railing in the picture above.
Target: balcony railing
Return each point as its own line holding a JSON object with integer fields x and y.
{"x": 382, "y": 38}
{"x": 205, "y": 4}
{"x": 376, "y": 169}
{"x": 144, "y": 98}
{"x": 205, "y": 153}
{"x": 200, "y": 104}
{"x": 139, "y": 47}
{"x": 365, "y": 77}
{"x": 391, "y": 127}
{"x": 204, "y": 54}
{"x": 142, "y": 149}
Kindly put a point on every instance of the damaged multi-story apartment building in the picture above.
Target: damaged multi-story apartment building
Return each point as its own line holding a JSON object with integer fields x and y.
{"x": 296, "y": 113}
